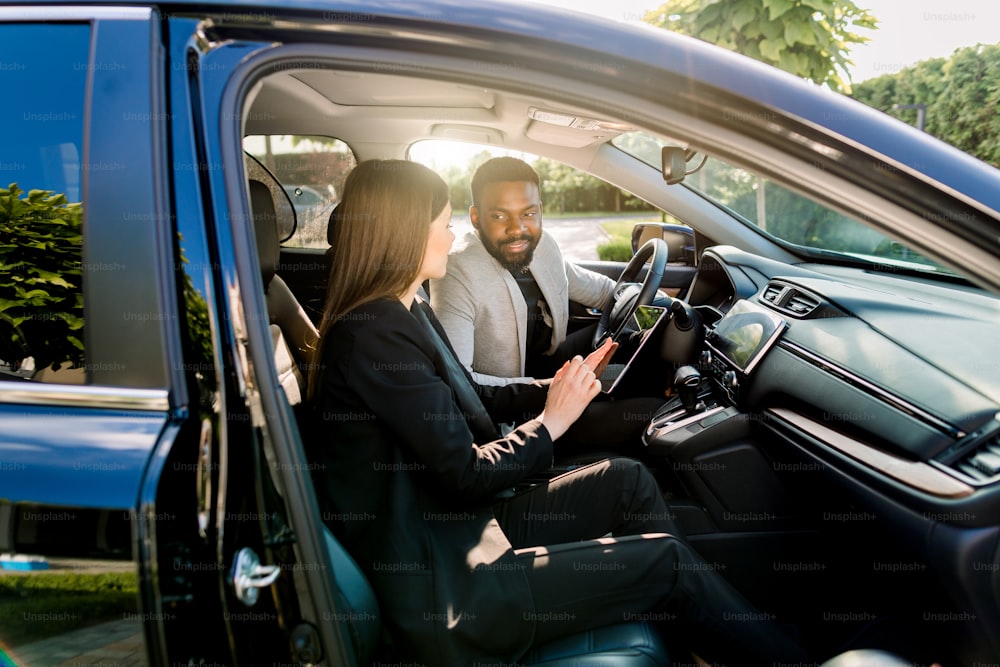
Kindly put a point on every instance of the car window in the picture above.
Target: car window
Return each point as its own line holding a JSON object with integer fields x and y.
{"x": 41, "y": 213}
{"x": 68, "y": 586}
{"x": 781, "y": 213}
{"x": 311, "y": 170}
{"x": 589, "y": 218}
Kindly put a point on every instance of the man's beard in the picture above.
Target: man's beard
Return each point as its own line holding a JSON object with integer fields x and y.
{"x": 513, "y": 264}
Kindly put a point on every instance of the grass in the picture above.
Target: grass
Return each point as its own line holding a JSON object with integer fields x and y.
{"x": 619, "y": 247}
{"x": 44, "y": 604}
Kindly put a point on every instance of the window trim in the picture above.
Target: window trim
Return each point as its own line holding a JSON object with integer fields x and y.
{"x": 84, "y": 396}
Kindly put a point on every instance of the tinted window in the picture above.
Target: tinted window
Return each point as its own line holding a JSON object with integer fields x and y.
{"x": 43, "y": 73}
{"x": 68, "y": 586}
{"x": 312, "y": 171}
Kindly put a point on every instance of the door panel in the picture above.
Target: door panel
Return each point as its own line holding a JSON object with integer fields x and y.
{"x": 266, "y": 499}
{"x": 70, "y": 577}
{"x": 675, "y": 282}
{"x": 676, "y": 279}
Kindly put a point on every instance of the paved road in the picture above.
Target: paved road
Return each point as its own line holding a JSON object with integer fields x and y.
{"x": 111, "y": 644}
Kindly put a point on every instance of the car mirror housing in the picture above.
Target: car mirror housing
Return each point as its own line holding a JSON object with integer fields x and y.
{"x": 673, "y": 164}
{"x": 679, "y": 240}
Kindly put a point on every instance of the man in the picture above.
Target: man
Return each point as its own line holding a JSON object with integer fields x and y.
{"x": 504, "y": 302}
{"x": 505, "y": 299}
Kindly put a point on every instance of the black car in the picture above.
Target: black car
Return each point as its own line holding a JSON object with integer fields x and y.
{"x": 832, "y": 441}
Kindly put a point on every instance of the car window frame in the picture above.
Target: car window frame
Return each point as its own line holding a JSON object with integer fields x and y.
{"x": 119, "y": 373}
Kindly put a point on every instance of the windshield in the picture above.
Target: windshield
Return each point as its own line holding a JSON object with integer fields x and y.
{"x": 786, "y": 216}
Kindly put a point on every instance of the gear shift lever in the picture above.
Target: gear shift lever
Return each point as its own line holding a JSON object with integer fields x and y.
{"x": 687, "y": 379}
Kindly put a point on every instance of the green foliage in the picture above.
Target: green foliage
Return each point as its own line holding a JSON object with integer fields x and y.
{"x": 961, "y": 95}
{"x": 809, "y": 38}
{"x": 619, "y": 247}
{"x": 41, "y": 291}
{"x": 793, "y": 217}
{"x": 64, "y": 601}
{"x": 615, "y": 250}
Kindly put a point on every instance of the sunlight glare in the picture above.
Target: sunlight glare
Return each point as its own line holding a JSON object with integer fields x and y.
{"x": 442, "y": 156}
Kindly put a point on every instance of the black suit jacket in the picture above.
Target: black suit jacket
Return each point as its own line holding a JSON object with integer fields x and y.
{"x": 409, "y": 490}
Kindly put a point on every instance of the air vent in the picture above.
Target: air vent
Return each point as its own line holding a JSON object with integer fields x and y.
{"x": 789, "y": 299}
{"x": 772, "y": 292}
{"x": 982, "y": 463}
{"x": 801, "y": 304}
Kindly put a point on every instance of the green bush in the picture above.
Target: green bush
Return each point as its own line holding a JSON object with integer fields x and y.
{"x": 616, "y": 250}
{"x": 64, "y": 601}
{"x": 960, "y": 95}
{"x": 41, "y": 292}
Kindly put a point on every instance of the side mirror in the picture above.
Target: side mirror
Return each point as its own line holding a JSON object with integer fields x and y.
{"x": 679, "y": 240}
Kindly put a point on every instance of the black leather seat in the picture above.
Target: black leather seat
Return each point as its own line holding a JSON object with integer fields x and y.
{"x": 331, "y": 225}
{"x": 624, "y": 645}
{"x": 293, "y": 334}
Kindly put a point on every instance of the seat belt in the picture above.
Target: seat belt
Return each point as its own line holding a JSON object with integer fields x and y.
{"x": 454, "y": 374}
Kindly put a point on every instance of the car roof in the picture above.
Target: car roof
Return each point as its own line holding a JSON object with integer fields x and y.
{"x": 615, "y": 46}
{"x": 735, "y": 74}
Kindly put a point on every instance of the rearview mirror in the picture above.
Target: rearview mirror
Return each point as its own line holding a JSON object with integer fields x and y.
{"x": 674, "y": 164}
{"x": 679, "y": 240}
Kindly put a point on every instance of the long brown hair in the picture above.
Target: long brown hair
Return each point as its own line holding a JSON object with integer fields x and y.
{"x": 379, "y": 235}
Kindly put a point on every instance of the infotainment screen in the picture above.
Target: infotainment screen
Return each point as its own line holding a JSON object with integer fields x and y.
{"x": 745, "y": 333}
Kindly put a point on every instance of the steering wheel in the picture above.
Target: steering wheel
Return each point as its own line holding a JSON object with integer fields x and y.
{"x": 625, "y": 298}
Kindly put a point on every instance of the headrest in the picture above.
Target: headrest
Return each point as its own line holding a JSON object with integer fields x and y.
{"x": 273, "y": 215}
{"x": 265, "y": 229}
{"x": 332, "y": 223}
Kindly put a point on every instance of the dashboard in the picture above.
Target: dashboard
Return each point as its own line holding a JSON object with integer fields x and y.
{"x": 899, "y": 375}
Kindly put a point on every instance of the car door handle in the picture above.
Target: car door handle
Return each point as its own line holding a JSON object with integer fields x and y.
{"x": 249, "y": 576}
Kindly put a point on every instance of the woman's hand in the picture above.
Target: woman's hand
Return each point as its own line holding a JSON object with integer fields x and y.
{"x": 572, "y": 389}
{"x": 598, "y": 360}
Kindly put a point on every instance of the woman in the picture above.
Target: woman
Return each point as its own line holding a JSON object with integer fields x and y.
{"x": 409, "y": 449}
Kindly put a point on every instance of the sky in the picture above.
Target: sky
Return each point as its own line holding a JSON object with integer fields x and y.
{"x": 909, "y": 30}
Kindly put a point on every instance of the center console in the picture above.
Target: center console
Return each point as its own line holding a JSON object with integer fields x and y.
{"x": 730, "y": 498}
{"x": 734, "y": 345}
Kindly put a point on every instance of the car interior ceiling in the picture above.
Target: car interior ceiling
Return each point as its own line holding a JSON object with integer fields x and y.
{"x": 831, "y": 559}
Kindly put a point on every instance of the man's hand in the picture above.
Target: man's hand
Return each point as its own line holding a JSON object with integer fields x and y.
{"x": 598, "y": 360}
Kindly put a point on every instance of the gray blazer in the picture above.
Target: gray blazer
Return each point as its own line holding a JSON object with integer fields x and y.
{"x": 483, "y": 312}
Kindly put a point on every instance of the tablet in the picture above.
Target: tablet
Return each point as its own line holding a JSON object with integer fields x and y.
{"x": 643, "y": 323}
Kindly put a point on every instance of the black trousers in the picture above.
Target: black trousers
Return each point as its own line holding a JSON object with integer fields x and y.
{"x": 581, "y": 579}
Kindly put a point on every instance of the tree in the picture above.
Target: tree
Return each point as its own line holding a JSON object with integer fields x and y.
{"x": 959, "y": 93}
{"x": 41, "y": 279}
{"x": 809, "y": 38}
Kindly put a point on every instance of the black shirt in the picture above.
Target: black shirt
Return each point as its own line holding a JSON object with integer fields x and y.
{"x": 538, "y": 337}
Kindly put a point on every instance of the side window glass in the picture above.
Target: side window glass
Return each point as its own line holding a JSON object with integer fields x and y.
{"x": 589, "y": 218}
{"x": 44, "y": 77}
{"x": 312, "y": 171}
{"x": 68, "y": 585}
